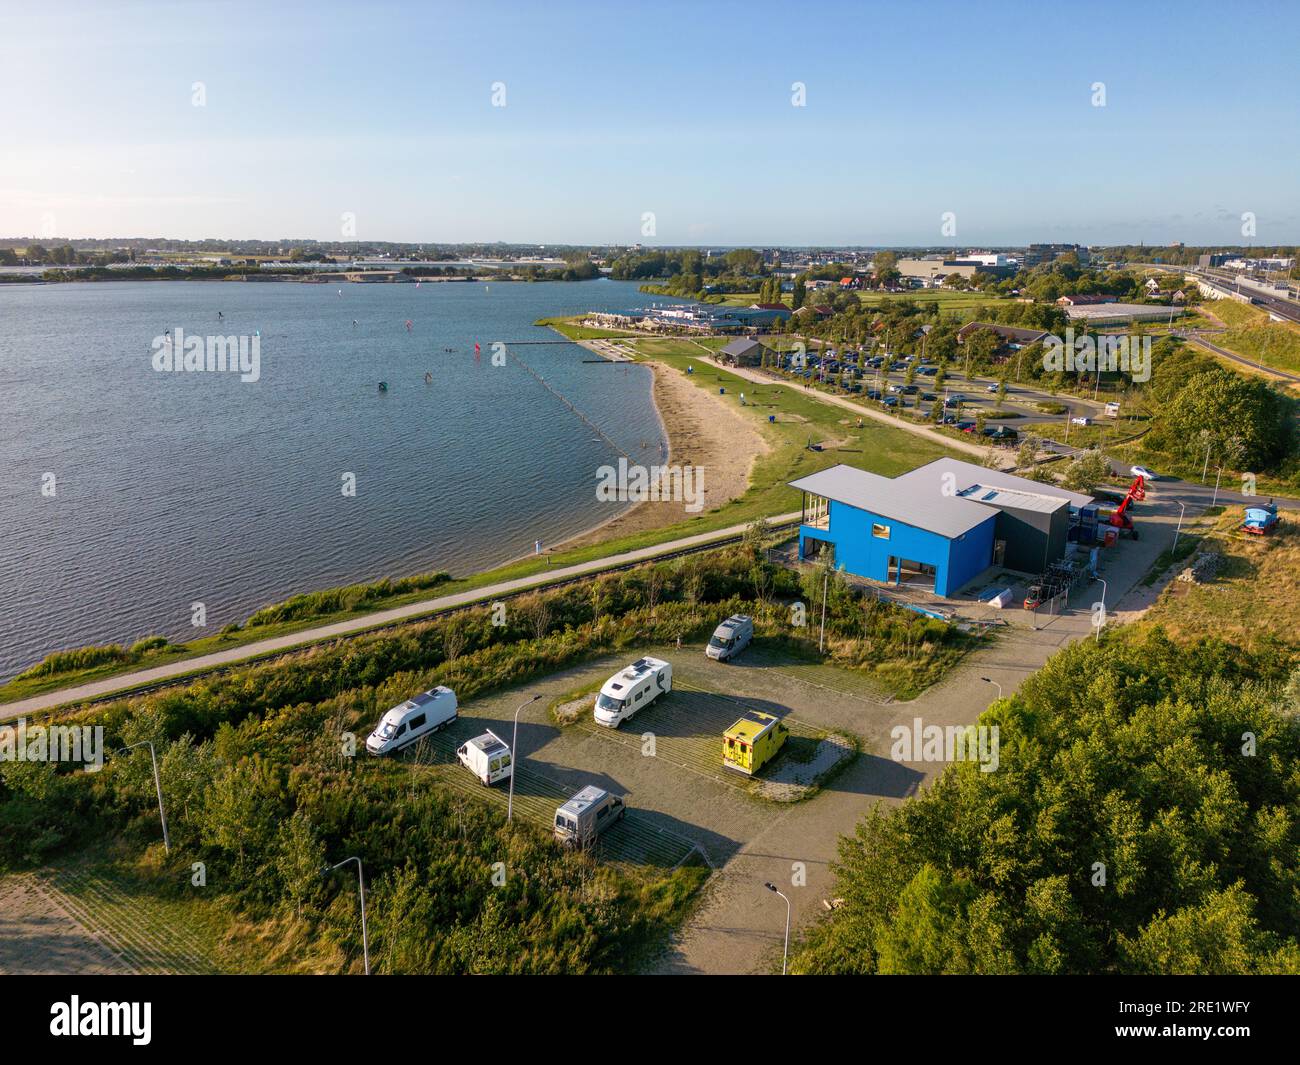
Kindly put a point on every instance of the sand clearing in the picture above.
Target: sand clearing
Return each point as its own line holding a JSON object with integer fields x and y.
{"x": 38, "y": 935}
{"x": 705, "y": 431}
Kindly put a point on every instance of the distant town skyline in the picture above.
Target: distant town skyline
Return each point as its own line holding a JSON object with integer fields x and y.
{"x": 947, "y": 125}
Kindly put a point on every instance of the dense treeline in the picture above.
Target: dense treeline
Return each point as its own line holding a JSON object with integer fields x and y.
{"x": 1206, "y": 413}
{"x": 1144, "y": 818}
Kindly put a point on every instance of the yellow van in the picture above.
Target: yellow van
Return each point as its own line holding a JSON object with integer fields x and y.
{"x": 752, "y": 742}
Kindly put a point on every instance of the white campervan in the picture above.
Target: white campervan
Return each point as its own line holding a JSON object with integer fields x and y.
{"x": 631, "y": 689}
{"x": 417, "y": 717}
{"x": 731, "y": 637}
{"x": 487, "y": 757}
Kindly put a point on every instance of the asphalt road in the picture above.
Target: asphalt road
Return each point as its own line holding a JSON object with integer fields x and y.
{"x": 185, "y": 667}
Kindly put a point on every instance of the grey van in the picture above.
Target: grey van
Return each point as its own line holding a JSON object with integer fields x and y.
{"x": 731, "y": 637}
{"x": 580, "y": 820}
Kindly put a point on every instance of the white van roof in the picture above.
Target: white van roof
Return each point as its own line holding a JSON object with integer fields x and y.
{"x": 424, "y": 698}
{"x": 587, "y": 797}
{"x": 489, "y": 743}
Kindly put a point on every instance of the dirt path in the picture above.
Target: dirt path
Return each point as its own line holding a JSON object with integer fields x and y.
{"x": 39, "y": 936}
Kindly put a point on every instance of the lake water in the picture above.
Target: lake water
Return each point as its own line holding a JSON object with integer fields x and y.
{"x": 176, "y": 488}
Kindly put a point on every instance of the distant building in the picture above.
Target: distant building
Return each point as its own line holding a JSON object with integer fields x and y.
{"x": 742, "y": 352}
{"x": 1011, "y": 335}
{"x": 1120, "y": 313}
{"x": 906, "y": 529}
{"x": 1037, "y": 254}
{"x": 1084, "y": 301}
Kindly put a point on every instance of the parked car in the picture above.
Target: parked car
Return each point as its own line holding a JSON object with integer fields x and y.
{"x": 1145, "y": 472}
{"x": 419, "y": 716}
{"x": 966, "y": 426}
{"x": 1081, "y": 419}
{"x": 487, "y": 757}
{"x": 731, "y": 637}
{"x": 632, "y": 689}
{"x": 928, "y": 397}
{"x": 584, "y": 817}
{"x": 873, "y": 393}
{"x": 910, "y": 390}
{"x": 890, "y": 401}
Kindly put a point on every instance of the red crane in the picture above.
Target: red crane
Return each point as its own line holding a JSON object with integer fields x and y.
{"x": 1137, "y": 491}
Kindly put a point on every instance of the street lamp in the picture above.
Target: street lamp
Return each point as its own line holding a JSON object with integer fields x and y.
{"x": 361, "y": 885}
{"x": 990, "y": 680}
{"x": 1102, "y": 620}
{"x": 1218, "y": 474}
{"x": 786, "y": 952}
{"x": 157, "y": 784}
{"x": 1183, "y": 510}
{"x": 514, "y": 742}
{"x": 821, "y": 643}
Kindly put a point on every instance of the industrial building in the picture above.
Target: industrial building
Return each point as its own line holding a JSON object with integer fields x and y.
{"x": 938, "y": 526}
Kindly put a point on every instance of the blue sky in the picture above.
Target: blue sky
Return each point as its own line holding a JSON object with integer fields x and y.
{"x": 384, "y": 111}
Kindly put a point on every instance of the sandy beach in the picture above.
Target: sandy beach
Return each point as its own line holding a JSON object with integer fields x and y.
{"x": 705, "y": 432}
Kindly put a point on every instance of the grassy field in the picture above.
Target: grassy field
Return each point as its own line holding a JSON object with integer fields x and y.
{"x": 1252, "y": 335}
{"x": 1252, "y": 599}
{"x": 798, "y": 418}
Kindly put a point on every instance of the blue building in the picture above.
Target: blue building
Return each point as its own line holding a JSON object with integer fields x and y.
{"x": 939, "y": 526}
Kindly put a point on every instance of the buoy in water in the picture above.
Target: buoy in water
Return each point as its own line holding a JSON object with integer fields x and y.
{"x": 428, "y": 377}
{"x": 383, "y": 386}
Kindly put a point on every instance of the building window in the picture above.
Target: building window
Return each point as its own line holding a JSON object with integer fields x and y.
{"x": 816, "y": 511}
{"x": 880, "y": 532}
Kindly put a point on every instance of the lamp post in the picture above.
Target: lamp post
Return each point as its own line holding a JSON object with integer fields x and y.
{"x": 361, "y": 885}
{"x": 1102, "y": 620}
{"x": 1183, "y": 510}
{"x": 821, "y": 643}
{"x": 990, "y": 680}
{"x": 514, "y": 744}
{"x": 1218, "y": 474}
{"x": 785, "y": 954}
{"x": 157, "y": 784}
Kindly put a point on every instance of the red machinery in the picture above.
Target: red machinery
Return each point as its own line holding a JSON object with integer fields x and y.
{"x": 1137, "y": 492}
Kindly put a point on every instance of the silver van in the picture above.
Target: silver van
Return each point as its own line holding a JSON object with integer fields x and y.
{"x": 731, "y": 637}
{"x": 584, "y": 817}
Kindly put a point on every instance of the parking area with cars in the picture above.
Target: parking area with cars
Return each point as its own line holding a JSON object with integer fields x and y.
{"x": 666, "y": 764}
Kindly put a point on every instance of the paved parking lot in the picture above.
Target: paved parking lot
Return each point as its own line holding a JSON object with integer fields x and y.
{"x": 680, "y": 798}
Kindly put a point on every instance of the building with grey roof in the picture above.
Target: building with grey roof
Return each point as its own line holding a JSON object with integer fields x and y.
{"x": 940, "y": 525}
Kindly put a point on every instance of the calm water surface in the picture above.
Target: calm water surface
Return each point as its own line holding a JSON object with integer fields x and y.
{"x": 178, "y": 488}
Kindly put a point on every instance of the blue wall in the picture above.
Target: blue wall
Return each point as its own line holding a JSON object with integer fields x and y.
{"x": 858, "y": 552}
